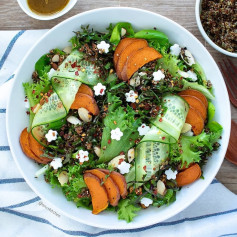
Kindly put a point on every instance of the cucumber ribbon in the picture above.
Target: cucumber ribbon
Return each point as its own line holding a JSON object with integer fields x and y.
{"x": 65, "y": 82}
{"x": 153, "y": 149}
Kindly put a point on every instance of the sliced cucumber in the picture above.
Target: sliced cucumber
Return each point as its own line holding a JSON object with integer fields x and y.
{"x": 174, "y": 117}
{"x": 148, "y": 158}
{"x": 75, "y": 68}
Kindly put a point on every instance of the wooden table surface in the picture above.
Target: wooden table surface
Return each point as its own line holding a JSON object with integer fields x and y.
{"x": 181, "y": 11}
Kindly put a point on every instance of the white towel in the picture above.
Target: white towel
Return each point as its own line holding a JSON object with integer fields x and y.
{"x": 23, "y": 214}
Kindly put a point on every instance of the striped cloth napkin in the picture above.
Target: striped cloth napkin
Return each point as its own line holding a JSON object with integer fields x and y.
{"x": 22, "y": 213}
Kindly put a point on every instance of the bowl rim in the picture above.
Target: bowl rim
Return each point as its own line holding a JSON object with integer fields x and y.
{"x": 32, "y": 14}
{"x": 42, "y": 196}
{"x": 204, "y": 34}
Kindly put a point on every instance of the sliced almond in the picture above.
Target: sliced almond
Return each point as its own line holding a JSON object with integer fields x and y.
{"x": 97, "y": 150}
{"x": 161, "y": 189}
{"x": 55, "y": 58}
{"x": 68, "y": 50}
{"x": 187, "y": 127}
{"x": 116, "y": 161}
{"x": 63, "y": 177}
{"x": 131, "y": 154}
{"x": 123, "y": 32}
{"x": 74, "y": 120}
{"x": 85, "y": 115}
{"x": 36, "y": 108}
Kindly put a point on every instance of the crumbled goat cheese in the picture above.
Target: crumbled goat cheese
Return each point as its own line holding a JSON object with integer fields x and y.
{"x": 27, "y": 103}
{"x": 175, "y": 50}
{"x": 123, "y": 32}
{"x": 183, "y": 74}
{"x": 99, "y": 89}
{"x": 51, "y": 72}
{"x": 146, "y": 201}
{"x": 56, "y": 163}
{"x": 51, "y": 135}
{"x": 192, "y": 75}
{"x": 190, "y": 58}
{"x": 116, "y": 134}
{"x": 158, "y": 75}
{"x": 131, "y": 96}
{"x": 171, "y": 174}
{"x": 143, "y": 129}
{"x": 124, "y": 167}
{"x": 82, "y": 156}
{"x": 103, "y": 47}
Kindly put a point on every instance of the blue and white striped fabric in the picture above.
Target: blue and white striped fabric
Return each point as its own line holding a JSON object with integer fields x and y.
{"x": 22, "y": 213}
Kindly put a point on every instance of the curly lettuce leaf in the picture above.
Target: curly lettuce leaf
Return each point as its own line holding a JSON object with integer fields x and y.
{"x": 188, "y": 150}
{"x": 127, "y": 211}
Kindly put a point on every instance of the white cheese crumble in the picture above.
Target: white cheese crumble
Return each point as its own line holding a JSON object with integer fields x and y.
{"x": 103, "y": 47}
{"x": 51, "y": 72}
{"x": 124, "y": 167}
{"x": 183, "y": 74}
{"x": 99, "y": 89}
{"x": 143, "y": 129}
{"x": 116, "y": 134}
{"x": 171, "y": 174}
{"x": 56, "y": 163}
{"x": 26, "y": 103}
{"x": 123, "y": 32}
{"x": 131, "y": 96}
{"x": 82, "y": 156}
{"x": 51, "y": 135}
{"x": 192, "y": 75}
{"x": 146, "y": 201}
{"x": 175, "y": 50}
{"x": 157, "y": 76}
{"x": 190, "y": 58}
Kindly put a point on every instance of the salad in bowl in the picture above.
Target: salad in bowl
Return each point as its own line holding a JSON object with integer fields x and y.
{"x": 120, "y": 120}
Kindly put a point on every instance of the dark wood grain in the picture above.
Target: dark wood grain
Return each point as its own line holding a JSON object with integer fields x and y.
{"x": 182, "y": 11}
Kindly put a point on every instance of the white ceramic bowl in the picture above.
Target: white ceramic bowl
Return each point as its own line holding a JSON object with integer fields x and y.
{"x": 58, "y": 37}
{"x": 24, "y": 6}
{"x": 198, "y": 9}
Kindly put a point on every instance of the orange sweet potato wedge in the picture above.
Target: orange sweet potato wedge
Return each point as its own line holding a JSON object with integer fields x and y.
{"x": 110, "y": 186}
{"x": 85, "y": 101}
{"x": 138, "y": 59}
{"x": 124, "y": 55}
{"x": 196, "y": 104}
{"x": 38, "y": 150}
{"x": 25, "y": 146}
{"x": 121, "y": 46}
{"x": 84, "y": 89}
{"x": 98, "y": 193}
{"x": 197, "y": 94}
{"x": 195, "y": 119}
{"x": 119, "y": 180}
{"x": 189, "y": 175}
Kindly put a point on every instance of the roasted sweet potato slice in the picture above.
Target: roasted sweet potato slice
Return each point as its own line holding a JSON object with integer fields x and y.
{"x": 197, "y": 94}
{"x": 84, "y": 89}
{"x": 196, "y": 104}
{"x": 98, "y": 193}
{"x": 195, "y": 119}
{"x": 119, "y": 180}
{"x": 124, "y": 55}
{"x": 110, "y": 186}
{"x": 25, "y": 146}
{"x": 189, "y": 175}
{"x": 138, "y": 59}
{"x": 85, "y": 101}
{"x": 38, "y": 150}
{"x": 121, "y": 46}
